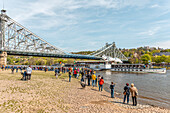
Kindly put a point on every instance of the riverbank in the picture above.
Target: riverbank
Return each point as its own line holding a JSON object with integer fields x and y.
{"x": 45, "y": 93}
{"x": 168, "y": 68}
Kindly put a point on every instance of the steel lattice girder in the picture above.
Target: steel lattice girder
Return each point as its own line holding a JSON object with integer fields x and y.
{"x": 15, "y": 39}
{"x": 110, "y": 50}
{"x": 18, "y": 38}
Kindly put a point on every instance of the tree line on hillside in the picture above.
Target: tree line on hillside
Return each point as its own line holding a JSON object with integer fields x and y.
{"x": 145, "y": 56}
{"x": 140, "y": 55}
{"x": 23, "y": 60}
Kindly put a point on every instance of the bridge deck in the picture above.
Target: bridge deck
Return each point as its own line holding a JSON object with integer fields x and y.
{"x": 77, "y": 56}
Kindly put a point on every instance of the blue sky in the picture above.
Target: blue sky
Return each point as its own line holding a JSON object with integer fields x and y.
{"x": 76, "y": 25}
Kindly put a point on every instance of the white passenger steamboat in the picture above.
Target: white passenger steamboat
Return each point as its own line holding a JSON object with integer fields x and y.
{"x": 115, "y": 64}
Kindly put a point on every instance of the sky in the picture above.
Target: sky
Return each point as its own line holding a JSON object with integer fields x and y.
{"x": 83, "y": 25}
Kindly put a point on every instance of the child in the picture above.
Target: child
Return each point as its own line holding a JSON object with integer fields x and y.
{"x": 112, "y": 89}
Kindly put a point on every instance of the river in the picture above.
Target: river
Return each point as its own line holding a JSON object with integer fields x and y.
{"x": 153, "y": 89}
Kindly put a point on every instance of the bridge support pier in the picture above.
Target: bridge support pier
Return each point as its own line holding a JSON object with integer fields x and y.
{"x": 3, "y": 58}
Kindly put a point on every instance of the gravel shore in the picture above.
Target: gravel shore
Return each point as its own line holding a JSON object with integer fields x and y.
{"x": 44, "y": 93}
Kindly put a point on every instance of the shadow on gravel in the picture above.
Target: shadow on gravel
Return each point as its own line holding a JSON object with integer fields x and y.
{"x": 120, "y": 103}
{"x": 105, "y": 96}
{"x": 101, "y": 102}
{"x": 65, "y": 80}
{"x": 117, "y": 102}
{"x": 80, "y": 88}
{"x": 94, "y": 89}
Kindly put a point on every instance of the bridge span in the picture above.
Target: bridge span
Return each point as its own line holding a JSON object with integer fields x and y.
{"x": 15, "y": 39}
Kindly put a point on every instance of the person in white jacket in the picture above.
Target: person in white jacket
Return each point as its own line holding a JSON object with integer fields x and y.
{"x": 29, "y": 71}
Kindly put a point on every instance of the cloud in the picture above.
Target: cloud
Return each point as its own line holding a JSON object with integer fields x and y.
{"x": 155, "y": 6}
{"x": 163, "y": 44}
{"x": 93, "y": 20}
{"x": 150, "y": 32}
{"x": 56, "y": 13}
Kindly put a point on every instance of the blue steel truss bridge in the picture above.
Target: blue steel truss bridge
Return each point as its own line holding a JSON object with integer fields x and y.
{"x": 15, "y": 39}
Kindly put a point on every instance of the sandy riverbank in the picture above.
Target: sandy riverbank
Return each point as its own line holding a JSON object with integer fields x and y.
{"x": 45, "y": 93}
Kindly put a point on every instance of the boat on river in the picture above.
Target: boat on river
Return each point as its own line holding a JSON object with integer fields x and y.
{"x": 120, "y": 67}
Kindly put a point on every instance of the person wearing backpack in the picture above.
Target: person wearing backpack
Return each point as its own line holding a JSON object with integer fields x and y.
{"x": 101, "y": 82}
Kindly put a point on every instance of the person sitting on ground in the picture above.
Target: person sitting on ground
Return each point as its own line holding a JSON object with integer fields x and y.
{"x": 56, "y": 71}
{"x": 101, "y": 84}
{"x": 24, "y": 75}
{"x": 126, "y": 93}
{"x": 134, "y": 93}
{"x": 112, "y": 89}
{"x": 83, "y": 84}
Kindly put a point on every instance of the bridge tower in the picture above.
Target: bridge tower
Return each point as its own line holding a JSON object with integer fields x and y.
{"x": 3, "y": 55}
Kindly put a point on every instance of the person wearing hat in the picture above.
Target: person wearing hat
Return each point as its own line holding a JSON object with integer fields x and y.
{"x": 134, "y": 93}
{"x": 126, "y": 93}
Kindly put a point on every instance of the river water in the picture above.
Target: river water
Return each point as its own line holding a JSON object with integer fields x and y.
{"x": 153, "y": 89}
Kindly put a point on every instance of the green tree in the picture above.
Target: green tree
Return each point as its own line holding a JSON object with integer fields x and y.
{"x": 136, "y": 60}
{"x": 167, "y": 59}
{"x": 145, "y": 58}
{"x": 50, "y": 61}
{"x": 41, "y": 62}
{"x": 157, "y": 59}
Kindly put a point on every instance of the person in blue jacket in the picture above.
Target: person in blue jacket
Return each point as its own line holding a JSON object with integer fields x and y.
{"x": 126, "y": 93}
{"x": 112, "y": 89}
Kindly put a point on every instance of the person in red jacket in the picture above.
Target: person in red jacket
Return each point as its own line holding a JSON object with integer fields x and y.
{"x": 101, "y": 84}
{"x": 75, "y": 73}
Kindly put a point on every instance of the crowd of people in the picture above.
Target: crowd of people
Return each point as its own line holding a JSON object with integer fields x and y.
{"x": 88, "y": 78}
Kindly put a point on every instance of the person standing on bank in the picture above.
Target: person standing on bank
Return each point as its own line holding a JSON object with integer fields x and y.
{"x": 101, "y": 84}
{"x": 88, "y": 77}
{"x": 93, "y": 79}
{"x": 69, "y": 76}
{"x": 112, "y": 89}
{"x": 29, "y": 71}
{"x": 126, "y": 93}
{"x": 134, "y": 93}
{"x": 99, "y": 80}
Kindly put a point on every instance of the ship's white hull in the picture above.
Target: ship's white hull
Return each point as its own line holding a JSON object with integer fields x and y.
{"x": 108, "y": 67}
{"x": 162, "y": 70}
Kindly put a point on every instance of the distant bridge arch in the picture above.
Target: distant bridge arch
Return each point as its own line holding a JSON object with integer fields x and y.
{"x": 110, "y": 50}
